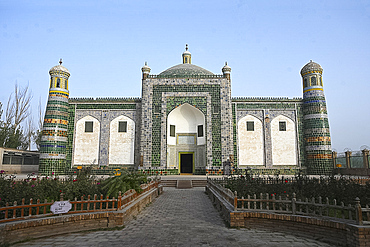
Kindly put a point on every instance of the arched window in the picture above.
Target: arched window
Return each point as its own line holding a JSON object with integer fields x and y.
{"x": 58, "y": 82}
{"x": 250, "y": 141}
{"x": 313, "y": 81}
{"x": 86, "y": 148}
{"x": 121, "y": 141}
{"x": 283, "y": 141}
{"x": 305, "y": 82}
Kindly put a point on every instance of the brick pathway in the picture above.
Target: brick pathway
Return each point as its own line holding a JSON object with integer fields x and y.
{"x": 178, "y": 218}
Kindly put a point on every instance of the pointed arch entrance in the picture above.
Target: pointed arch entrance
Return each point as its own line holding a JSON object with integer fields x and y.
{"x": 186, "y": 139}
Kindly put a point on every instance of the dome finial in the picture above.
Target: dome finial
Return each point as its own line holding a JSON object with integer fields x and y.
{"x": 60, "y": 61}
{"x": 186, "y": 56}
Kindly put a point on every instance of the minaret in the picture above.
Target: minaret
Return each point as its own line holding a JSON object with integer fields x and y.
{"x": 186, "y": 56}
{"x": 318, "y": 159}
{"x": 145, "y": 71}
{"x": 226, "y": 70}
{"x": 54, "y": 133}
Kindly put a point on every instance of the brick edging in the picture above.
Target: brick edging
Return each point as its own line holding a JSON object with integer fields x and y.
{"x": 324, "y": 229}
{"x": 13, "y": 232}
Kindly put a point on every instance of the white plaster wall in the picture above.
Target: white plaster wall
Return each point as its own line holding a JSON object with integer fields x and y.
{"x": 86, "y": 150}
{"x": 186, "y": 119}
{"x": 250, "y": 143}
{"x": 121, "y": 144}
{"x": 283, "y": 142}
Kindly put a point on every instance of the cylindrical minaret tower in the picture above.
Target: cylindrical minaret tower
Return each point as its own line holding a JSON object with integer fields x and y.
{"x": 318, "y": 159}
{"x": 145, "y": 71}
{"x": 226, "y": 70}
{"x": 54, "y": 133}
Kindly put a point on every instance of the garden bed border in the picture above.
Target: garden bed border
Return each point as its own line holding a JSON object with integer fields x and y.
{"x": 324, "y": 229}
{"x": 23, "y": 230}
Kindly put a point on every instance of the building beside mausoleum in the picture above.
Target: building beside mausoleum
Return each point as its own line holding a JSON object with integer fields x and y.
{"x": 186, "y": 122}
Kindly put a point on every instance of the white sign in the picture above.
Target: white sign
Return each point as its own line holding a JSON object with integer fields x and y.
{"x": 60, "y": 207}
{"x": 190, "y": 140}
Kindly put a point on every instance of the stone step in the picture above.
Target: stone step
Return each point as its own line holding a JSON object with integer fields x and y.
{"x": 169, "y": 183}
{"x": 174, "y": 183}
{"x": 184, "y": 184}
{"x": 199, "y": 183}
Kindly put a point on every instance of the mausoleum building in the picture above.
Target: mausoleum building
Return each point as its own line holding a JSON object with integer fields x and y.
{"x": 187, "y": 122}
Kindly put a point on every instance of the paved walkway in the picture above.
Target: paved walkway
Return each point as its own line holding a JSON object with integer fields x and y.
{"x": 177, "y": 218}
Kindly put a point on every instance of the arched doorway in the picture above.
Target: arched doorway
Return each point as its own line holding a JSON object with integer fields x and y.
{"x": 186, "y": 139}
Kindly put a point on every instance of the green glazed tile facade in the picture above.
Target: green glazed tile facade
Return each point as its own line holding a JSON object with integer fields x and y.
{"x": 208, "y": 93}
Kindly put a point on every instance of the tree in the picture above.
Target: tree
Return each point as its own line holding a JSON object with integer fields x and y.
{"x": 38, "y": 133}
{"x": 30, "y": 131}
{"x": 17, "y": 110}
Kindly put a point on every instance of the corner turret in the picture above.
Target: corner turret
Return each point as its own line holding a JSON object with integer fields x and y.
{"x": 54, "y": 133}
{"x": 317, "y": 139}
{"x": 226, "y": 70}
{"x": 145, "y": 71}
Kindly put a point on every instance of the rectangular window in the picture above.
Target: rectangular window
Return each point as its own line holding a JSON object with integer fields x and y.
{"x": 216, "y": 109}
{"x": 157, "y": 109}
{"x": 250, "y": 126}
{"x": 89, "y": 126}
{"x": 6, "y": 160}
{"x": 172, "y": 130}
{"x": 28, "y": 161}
{"x": 200, "y": 131}
{"x": 282, "y": 126}
{"x": 17, "y": 160}
{"x": 122, "y": 126}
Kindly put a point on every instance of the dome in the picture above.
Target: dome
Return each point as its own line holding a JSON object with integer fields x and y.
{"x": 311, "y": 66}
{"x": 186, "y": 53}
{"x": 59, "y": 68}
{"x": 184, "y": 70}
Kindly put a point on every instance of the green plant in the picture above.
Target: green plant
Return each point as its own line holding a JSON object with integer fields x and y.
{"x": 342, "y": 189}
{"x": 127, "y": 179}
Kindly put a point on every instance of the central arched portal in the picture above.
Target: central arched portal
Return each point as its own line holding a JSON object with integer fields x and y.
{"x": 186, "y": 139}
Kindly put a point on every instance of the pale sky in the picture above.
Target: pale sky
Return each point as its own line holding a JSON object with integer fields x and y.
{"x": 104, "y": 44}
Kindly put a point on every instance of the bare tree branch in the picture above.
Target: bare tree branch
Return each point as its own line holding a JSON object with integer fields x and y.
{"x": 22, "y": 104}
{"x": 30, "y": 131}
{"x": 41, "y": 116}
{"x": 9, "y": 112}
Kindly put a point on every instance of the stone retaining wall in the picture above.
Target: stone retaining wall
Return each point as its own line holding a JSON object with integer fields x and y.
{"x": 323, "y": 229}
{"x": 13, "y": 232}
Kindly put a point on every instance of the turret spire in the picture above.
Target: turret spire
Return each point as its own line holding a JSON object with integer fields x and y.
{"x": 186, "y": 56}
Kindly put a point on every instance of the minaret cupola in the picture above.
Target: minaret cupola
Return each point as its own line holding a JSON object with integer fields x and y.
{"x": 312, "y": 75}
{"x": 59, "y": 76}
{"x": 226, "y": 70}
{"x": 186, "y": 56}
{"x": 145, "y": 71}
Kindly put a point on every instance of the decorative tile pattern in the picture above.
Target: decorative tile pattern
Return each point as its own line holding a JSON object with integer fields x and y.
{"x": 204, "y": 94}
{"x": 266, "y": 109}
